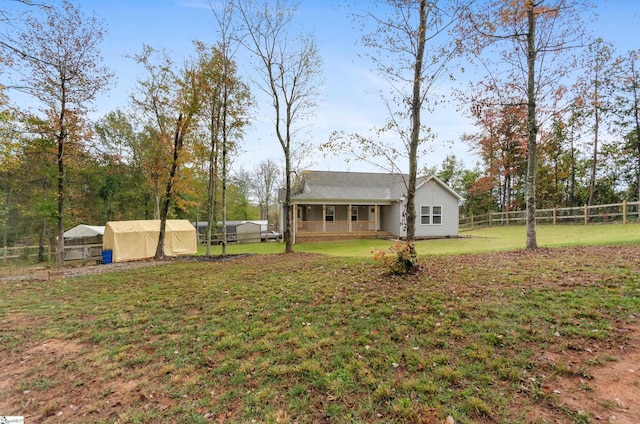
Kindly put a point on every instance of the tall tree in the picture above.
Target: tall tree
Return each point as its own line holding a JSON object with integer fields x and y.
{"x": 289, "y": 71}
{"x": 412, "y": 48}
{"x": 555, "y": 166}
{"x": 122, "y": 153}
{"x": 501, "y": 142}
{"x": 171, "y": 100}
{"x": 628, "y": 109}
{"x": 596, "y": 91}
{"x": 10, "y": 163}
{"x": 533, "y": 39}
{"x": 228, "y": 100}
{"x": 266, "y": 177}
{"x": 58, "y": 53}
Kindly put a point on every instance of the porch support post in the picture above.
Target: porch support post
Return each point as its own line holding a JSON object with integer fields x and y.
{"x": 375, "y": 218}
{"x": 294, "y": 227}
{"x": 349, "y": 218}
{"x": 324, "y": 218}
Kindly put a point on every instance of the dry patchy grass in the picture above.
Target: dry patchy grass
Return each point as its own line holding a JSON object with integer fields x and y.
{"x": 514, "y": 337}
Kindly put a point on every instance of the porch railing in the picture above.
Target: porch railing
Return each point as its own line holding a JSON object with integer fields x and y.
{"x": 335, "y": 226}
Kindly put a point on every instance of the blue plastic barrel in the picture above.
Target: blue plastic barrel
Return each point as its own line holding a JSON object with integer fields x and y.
{"x": 107, "y": 256}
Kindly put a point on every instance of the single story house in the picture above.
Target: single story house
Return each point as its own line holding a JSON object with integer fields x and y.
{"x": 361, "y": 204}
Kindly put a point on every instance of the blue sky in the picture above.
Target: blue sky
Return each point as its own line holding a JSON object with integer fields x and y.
{"x": 349, "y": 99}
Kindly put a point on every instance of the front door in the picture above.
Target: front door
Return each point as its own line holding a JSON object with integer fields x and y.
{"x": 299, "y": 212}
{"x": 372, "y": 218}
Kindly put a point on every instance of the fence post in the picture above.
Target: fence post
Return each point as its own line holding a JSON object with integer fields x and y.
{"x": 624, "y": 211}
{"x": 554, "y": 216}
{"x": 586, "y": 214}
{"x": 490, "y": 217}
{"x": 471, "y": 220}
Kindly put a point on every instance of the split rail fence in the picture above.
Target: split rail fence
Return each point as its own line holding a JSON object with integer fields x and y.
{"x": 624, "y": 212}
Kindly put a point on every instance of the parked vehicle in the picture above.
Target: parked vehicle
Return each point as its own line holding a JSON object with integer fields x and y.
{"x": 270, "y": 235}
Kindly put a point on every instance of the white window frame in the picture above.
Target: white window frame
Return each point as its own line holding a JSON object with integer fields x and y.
{"x": 425, "y": 215}
{"x": 435, "y": 215}
{"x": 431, "y": 214}
{"x": 330, "y": 211}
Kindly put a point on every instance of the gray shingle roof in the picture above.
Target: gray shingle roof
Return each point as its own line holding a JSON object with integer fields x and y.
{"x": 330, "y": 185}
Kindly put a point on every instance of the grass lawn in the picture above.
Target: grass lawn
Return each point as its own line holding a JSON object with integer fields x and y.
{"x": 488, "y": 336}
{"x": 475, "y": 241}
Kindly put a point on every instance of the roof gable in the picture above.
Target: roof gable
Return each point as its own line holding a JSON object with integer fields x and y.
{"x": 439, "y": 182}
{"x": 354, "y": 186}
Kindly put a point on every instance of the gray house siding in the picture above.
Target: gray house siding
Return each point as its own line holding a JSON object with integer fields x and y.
{"x": 392, "y": 219}
{"x": 432, "y": 194}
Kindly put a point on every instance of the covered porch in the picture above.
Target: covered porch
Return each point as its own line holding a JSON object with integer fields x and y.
{"x": 325, "y": 221}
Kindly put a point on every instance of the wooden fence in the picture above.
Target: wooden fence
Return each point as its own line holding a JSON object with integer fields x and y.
{"x": 612, "y": 213}
{"x": 71, "y": 253}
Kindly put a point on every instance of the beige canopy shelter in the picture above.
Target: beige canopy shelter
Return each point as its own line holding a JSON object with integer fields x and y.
{"x": 132, "y": 240}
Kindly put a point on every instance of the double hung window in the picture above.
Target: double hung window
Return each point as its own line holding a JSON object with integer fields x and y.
{"x": 330, "y": 214}
{"x": 430, "y": 215}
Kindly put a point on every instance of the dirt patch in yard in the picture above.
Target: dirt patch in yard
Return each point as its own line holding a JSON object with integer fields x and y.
{"x": 605, "y": 381}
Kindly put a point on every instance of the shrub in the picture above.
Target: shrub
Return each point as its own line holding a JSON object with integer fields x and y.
{"x": 400, "y": 259}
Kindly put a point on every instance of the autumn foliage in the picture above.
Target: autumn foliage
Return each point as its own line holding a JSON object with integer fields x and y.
{"x": 400, "y": 259}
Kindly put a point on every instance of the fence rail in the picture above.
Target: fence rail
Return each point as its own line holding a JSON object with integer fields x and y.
{"x": 614, "y": 212}
{"x": 71, "y": 252}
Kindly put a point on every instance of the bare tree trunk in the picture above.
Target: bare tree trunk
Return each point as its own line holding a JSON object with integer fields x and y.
{"x": 594, "y": 157}
{"x": 636, "y": 119}
{"x": 4, "y": 239}
{"x": 416, "y": 106}
{"x": 224, "y": 191}
{"x": 60, "y": 241}
{"x": 287, "y": 204}
{"x": 572, "y": 189}
{"x": 531, "y": 242}
{"x": 41, "y": 241}
{"x": 177, "y": 146}
{"x": 156, "y": 203}
{"x": 211, "y": 194}
{"x": 5, "y": 230}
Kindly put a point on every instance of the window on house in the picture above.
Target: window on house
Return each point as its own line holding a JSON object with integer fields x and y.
{"x": 330, "y": 213}
{"x": 354, "y": 213}
{"x": 431, "y": 215}
{"x": 436, "y": 215}
{"x": 425, "y": 215}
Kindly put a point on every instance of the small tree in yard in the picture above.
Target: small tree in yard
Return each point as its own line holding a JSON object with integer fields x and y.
{"x": 412, "y": 49}
{"x": 289, "y": 72}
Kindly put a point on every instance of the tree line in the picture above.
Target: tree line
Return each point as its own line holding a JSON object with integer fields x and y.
{"x": 167, "y": 154}
{"x": 588, "y": 151}
{"x": 555, "y": 113}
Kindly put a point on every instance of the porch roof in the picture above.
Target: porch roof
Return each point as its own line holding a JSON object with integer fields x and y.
{"x": 350, "y": 187}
